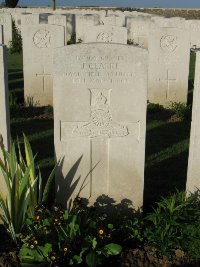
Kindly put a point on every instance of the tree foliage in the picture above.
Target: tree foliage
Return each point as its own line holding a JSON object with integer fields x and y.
{"x": 11, "y": 3}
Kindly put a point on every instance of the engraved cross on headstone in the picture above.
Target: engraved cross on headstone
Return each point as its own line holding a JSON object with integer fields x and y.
{"x": 168, "y": 80}
{"x": 43, "y": 74}
{"x": 100, "y": 129}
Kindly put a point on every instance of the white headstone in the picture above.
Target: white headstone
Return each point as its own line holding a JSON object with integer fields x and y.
{"x": 193, "y": 181}
{"x": 6, "y": 21}
{"x": 114, "y": 20}
{"x": 99, "y": 128}
{"x": 169, "y": 55}
{"x": 4, "y": 100}
{"x": 1, "y": 34}
{"x": 38, "y": 44}
{"x": 83, "y": 21}
{"x": 105, "y": 34}
{"x": 193, "y": 27}
{"x": 29, "y": 19}
{"x": 67, "y": 21}
{"x": 138, "y": 30}
{"x": 173, "y": 22}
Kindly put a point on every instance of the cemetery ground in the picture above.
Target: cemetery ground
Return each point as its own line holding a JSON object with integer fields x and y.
{"x": 167, "y": 144}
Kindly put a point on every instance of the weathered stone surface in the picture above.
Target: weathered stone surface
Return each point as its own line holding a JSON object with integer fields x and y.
{"x": 169, "y": 55}
{"x": 99, "y": 126}
{"x": 1, "y": 34}
{"x": 4, "y": 102}
{"x": 6, "y": 21}
{"x": 105, "y": 34}
{"x": 114, "y": 20}
{"x": 83, "y": 21}
{"x": 193, "y": 26}
{"x": 67, "y": 21}
{"x": 174, "y": 22}
{"x": 138, "y": 30}
{"x": 38, "y": 44}
{"x": 193, "y": 181}
{"x": 29, "y": 19}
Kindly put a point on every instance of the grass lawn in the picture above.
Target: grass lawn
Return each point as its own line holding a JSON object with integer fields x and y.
{"x": 166, "y": 142}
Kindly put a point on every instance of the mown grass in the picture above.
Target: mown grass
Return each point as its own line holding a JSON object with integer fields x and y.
{"x": 167, "y": 143}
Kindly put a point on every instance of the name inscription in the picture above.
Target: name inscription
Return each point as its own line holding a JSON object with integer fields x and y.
{"x": 99, "y": 69}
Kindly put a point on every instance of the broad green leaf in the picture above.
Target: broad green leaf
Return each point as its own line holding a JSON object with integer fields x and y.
{"x": 113, "y": 249}
{"x": 91, "y": 259}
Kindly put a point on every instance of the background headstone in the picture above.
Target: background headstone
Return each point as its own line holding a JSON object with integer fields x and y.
{"x": 38, "y": 44}
{"x": 99, "y": 128}
{"x": 105, "y": 34}
{"x": 29, "y": 19}
{"x": 1, "y": 34}
{"x": 138, "y": 30}
{"x": 193, "y": 27}
{"x": 6, "y": 21}
{"x": 169, "y": 55}
{"x": 83, "y": 21}
{"x": 193, "y": 181}
{"x": 4, "y": 99}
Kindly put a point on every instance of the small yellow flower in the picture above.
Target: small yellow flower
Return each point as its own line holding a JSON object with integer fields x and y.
{"x": 101, "y": 231}
{"x": 52, "y": 258}
{"x": 65, "y": 249}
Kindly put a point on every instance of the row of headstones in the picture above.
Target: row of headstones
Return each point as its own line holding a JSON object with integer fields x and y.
{"x": 99, "y": 127}
{"x": 169, "y": 56}
{"x": 169, "y": 49}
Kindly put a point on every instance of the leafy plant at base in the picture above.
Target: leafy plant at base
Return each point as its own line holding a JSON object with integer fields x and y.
{"x": 72, "y": 39}
{"x": 15, "y": 46}
{"x": 154, "y": 108}
{"x": 23, "y": 187}
{"x": 71, "y": 239}
{"x": 182, "y": 110}
{"x": 168, "y": 222}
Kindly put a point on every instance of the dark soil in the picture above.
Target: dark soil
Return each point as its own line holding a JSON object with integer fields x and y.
{"x": 8, "y": 250}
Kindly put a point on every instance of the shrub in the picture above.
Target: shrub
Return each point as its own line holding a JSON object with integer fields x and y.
{"x": 23, "y": 187}
{"x": 169, "y": 225}
{"x": 182, "y": 110}
{"x": 72, "y": 39}
{"x": 64, "y": 238}
{"x": 15, "y": 45}
{"x": 154, "y": 108}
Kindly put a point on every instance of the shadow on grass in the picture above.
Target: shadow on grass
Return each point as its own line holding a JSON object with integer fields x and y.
{"x": 165, "y": 178}
{"x": 164, "y": 136}
{"x": 30, "y": 127}
{"x": 15, "y": 75}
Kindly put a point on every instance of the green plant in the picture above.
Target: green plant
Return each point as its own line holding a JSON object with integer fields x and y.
{"x": 72, "y": 39}
{"x": 130, "y": 42}
{"x": 15, "y": 45}
{"x": 182, "y": 110}
{"x": 66, "y": 238}
{"x": 23, "y": 187}
{"x": 154, "y": 108}
{"x": 167, "y": 222}
{"x": 12, "y": 99}
{"x": 29, "y": 102}
{"x": 80, "y": 40}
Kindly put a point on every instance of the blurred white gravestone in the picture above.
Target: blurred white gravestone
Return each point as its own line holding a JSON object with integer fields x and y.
{"x": 99, "y": 128}
{"x": 6, "y": 21}
{"x": 138, "y": 30}
{"x": 67, "y": 21}
{"x": 1, "y": 34}
{"x": 113, "y": 20}
{"x": 169, "y": 55}
{"x": 83, "y": 21}
{"x": 193, "y": 26}
{"x": 193, "y": 181}
{"x": 29, "y": 19}
{"x": 105, "y": 34}
{"x": 38, "y": 44}
{"x": 4, "y": 106}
